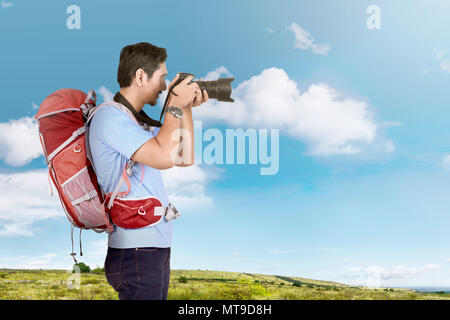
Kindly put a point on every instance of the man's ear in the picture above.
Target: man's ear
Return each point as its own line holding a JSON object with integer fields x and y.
{"x": 139, "y": 77}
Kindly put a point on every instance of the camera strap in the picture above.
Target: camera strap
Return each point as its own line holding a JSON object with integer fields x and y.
{"x": 140, "y": 116}
{"x": 169, "y": 92}
{"x": 182, "y": 76}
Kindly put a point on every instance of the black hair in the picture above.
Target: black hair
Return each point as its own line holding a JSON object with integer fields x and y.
{"x": 140, "y": 55}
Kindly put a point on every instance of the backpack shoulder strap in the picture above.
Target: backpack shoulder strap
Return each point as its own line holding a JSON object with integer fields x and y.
{"x": 127, "y": 169}
{"x": 114, "y": 104}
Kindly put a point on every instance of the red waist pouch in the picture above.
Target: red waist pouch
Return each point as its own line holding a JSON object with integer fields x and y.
{"x": 136, "y": 213}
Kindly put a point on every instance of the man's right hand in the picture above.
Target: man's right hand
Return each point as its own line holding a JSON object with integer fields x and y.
{"x": 184, "y": 93}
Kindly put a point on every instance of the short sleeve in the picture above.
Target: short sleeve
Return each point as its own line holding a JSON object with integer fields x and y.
{"x": 121, "y": 133}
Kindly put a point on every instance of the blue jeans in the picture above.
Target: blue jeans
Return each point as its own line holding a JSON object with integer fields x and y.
{"x": 139, "y": 273}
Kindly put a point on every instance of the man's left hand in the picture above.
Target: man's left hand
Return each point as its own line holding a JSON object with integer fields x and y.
{"x": 199, "y": 98}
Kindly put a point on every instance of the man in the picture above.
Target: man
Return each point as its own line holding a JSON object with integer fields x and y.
{"x": 137, "y": 263}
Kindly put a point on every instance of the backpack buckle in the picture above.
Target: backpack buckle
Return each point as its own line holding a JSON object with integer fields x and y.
{"x": 129, "y": 166}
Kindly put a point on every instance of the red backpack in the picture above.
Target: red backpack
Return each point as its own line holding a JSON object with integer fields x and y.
{"x": 63, "y": 119}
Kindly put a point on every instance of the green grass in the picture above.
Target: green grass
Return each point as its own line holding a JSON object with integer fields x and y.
{"x": 194, "y": 285}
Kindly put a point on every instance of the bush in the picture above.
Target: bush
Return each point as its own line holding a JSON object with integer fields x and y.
{"x": 234, "y": 293}
{"x": 98, "y": 270}
{"x": 182, "y": 279}
{"x": 91, "y": 281}
{"x": 289, "y": 295}
{"x": 81, "y": 267}
{"x": 250, "y": 290}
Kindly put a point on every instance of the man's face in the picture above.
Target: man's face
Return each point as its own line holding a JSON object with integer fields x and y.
{"x": 152, "y": 87}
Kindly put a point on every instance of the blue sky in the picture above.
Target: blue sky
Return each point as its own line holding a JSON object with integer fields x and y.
{"x": 361, "y": 194}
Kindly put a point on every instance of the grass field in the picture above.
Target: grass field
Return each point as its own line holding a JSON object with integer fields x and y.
{"x": 194, "y": 285}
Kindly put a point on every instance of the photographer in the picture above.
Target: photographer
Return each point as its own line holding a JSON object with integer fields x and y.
{"x": 137, "y": 264}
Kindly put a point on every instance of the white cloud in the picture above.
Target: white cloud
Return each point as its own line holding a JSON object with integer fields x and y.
{"x": 390, "y": 147}
{"x": 446, "y": 162}
{"x": 190, "y": 198}
{"x": 181, "y": 176}
{"x": 106, "y": 94}
{"x": 42, "y": 261}
{"x": 445, "y": 65}
{"x": 431, "y": 266}
{"x": 35, "y": 106}
{"x": 216, "y": 74}
{"x": 328, "y": 123}
{"x": 94, "y": 253}
{"x": 303, "y": 250}
{"x": 25, "y": 199}
{"x": 19, "y": 228}
{"x": 304, "y": 40}
{"x": 186, "y": 186}
{"x": 270, "y": 30}
{"x": 25, "y": 196}
{"x": 440, "y": 54}
{"x": 322, "y": 49}
{"x": 397, "y": 272}
{"x": 7, "y": 4}
{"x": 19, "y": 141}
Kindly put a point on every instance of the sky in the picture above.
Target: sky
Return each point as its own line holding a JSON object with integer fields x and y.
{"x": 347, "y": 100}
